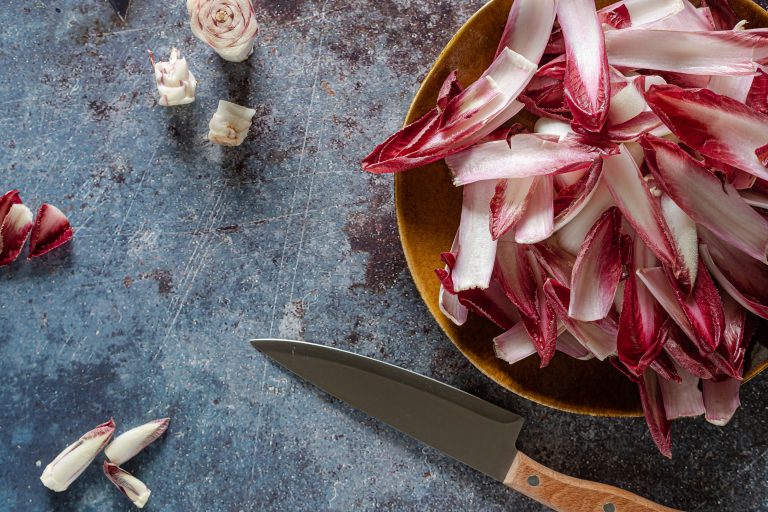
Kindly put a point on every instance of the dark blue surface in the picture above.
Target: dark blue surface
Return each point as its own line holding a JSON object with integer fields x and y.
{"x": 186, "y": 250}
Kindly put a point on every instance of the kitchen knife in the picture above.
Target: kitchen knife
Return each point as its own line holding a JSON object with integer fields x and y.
{"x": 121, "y": 8}
{"x": 465, "y": 427}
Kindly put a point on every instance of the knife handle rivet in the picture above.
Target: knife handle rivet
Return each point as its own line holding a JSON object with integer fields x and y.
{"x": 533, "y": 480}
{"x": 609, "y": 507}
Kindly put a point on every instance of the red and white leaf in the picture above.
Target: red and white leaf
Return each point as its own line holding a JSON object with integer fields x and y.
{"x": 684, "y": 51}
{"x": 449, "y": 302}
{"x": 587, "y": 85}
{"x": 735, "y": 87}
{"x": 542, "y": 328}
{"x": 757, "y": 98}
{"x": 571, "y": 235}
{"x": 722, "y": 14}
{"x": 597, "y": 337}
{"x": 509, "y": 203}
{"x": 556, "y": 263}
{"x": 537, "y": 222}
{"x": 641, "y": 318}
{"x": 682, "y": 399}
{"x": 463, "y": 121}
{"x": 528, "y": 28}
{"x": 636, "y": 13}
{"x": 716, "y": 126}
{"x": 524, "y": 155}
{"x": 683, "y": 235}
{"x": 597, "y": 270}
{"x": 721, "y": 399}
{"x": 514, "y": 344}
{"x": 707, "y": 200}
{"x": 583, "y": 190}
{"x": 743, "y": 278}
{"x": 514, "y": 273}
{"x": 477, "y": 249}
{"x": 14, "y": 231}
{"x": 655, "y": 416}
{"x": 51, "y": 230}
{"x": 642, "y": 210}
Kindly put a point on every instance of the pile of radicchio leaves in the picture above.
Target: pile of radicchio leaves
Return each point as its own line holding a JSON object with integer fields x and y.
{"x": 632, "y": 222}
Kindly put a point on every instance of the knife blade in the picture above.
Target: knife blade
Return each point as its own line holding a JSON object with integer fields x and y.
{"x": 467, "y": 428}
{"x": 121, "y": 8}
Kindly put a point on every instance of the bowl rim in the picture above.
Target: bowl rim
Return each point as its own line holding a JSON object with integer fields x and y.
{"x": 399, "y": 185}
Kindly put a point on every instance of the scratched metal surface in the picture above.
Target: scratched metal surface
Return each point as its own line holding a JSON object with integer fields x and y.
{"x": 185, "y": 250}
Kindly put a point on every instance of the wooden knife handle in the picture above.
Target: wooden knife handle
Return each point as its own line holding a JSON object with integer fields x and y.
{"x": 567, "y": 494}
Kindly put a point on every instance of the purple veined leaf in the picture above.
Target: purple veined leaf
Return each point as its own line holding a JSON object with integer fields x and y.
{"x": 555, "y": 262}
{"x": 528, "y": 28}
{"x": 570, "y": 236}
{"x": 449, "y": 302}
{"x": 707, "y": 200}
{"x": 449, "y": 90}
{"x": 537, "y": 222}
{"x": 514, "y": 345}
{"x": 597, "y": 337}
{"x": 509, "y": 203}
{"x": 722, "y": 14}
{"x": 646, "y": 122}
{"x": 655, "y": 416}
{"x": 643, "y": 211}
{"x": 735, "y": 87}
{"x": 524, "y": 155}
{"x": 691, "y": 52}
{"x": 682, "y": 399}
{"x": 490, "y": 303}
{"x": 477, "y": 249}
{"x": 570, "y": 346}
{"x": 462, "y": 121}
{"x": 757, "y": 98}
{"x": 543, "y": 328}
{"x": 741, "y": 277}
{"x": 587, "y": 86}
{"x": 514, "y": 273}
{"x": 15, "y": 229}
{"x": 665, "y": 367}
{"x": 597, "y": 270}
{"x": 637, "y": 13}
{"x": 683, "y": 351}
{"x": 716, "y": 126}
{"x": 638, "y": 341}
{"x": 586, "y": 186}
{"x": 451, "y": 307}
{"x": 736, "y": 336}
{"x": 682, "y": 232}
{"x": 700, "y": 314}
{"x": 721, "y": 399}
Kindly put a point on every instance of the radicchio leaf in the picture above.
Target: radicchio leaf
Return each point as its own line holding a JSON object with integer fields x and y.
{"x": 514, "y": 273}
{"x": 524, "y": 155}
{"x": 528, "y": 28}
{"x": 682, "y": 399}
{"x": 537, "y": 222}
{"x": 587, "y": 85}
{"x": 636, "y": 13}
{"x": 714, "y": 125}
{"x": 707, "y": 200}
{"x": 15, "y": 225}
{"x": 51, "y": 230}
{"x": 597, "y": 270}
{"x": 477, "y": 250}
{"x": 721, "y": 399}
{"x": 653, "y": 406}
{"x": 509, "y": 203}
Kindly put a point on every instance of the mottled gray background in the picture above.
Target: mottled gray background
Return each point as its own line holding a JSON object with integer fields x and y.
{"x": 185, "y": 250}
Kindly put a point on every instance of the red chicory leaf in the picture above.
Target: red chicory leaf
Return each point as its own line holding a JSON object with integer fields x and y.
{"x": 653, "y": 407}
{"x": 714, "y": 125}
{"x": 597, "y": 270}
{"x": 51, "y": 230}
{"x": 509, "y": 203}
{"x": 537, "y": 221}
{"x": 682, "y": 399}
{"x": 514, "y": 273}
{"x": 707, "y": 200}
{"x": 14, "y": 230}
{"x": 636, "y": 13}
{"x": 477, "y": 249}
{"x": 721, "y": 399}
{"x": 722, "y": 14}
{"x": 587, "y": 86}
{"x": 528, "y": 28}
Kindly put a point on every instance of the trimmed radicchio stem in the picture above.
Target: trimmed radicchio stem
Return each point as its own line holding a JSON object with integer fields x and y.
{"x": 227, "y": 26}
{"x": 175, "y": 82}
{"x": 230, "y": 123}
{"x": 67, "y": 466}
{"x": 128, "y": 484}
{"x": 128, "y": 444}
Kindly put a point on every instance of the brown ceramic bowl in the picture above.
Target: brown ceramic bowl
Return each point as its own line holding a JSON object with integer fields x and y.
{"x": 428, "y": 208}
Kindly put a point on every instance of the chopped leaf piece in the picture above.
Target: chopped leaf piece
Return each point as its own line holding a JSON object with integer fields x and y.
{"x": 125, "y": 446}
{"x": 67, "y": 466}
{"x": 51, "y": 230}
{"x": 229, "y": 124}
{"x": 653, "y": 406}
{"x": 14, "y": 231}
{"x": 227, "y": 26}
{"x": 133, "y": 488}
